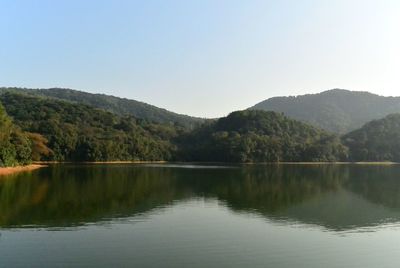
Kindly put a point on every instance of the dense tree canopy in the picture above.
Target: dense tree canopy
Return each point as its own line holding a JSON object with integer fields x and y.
{"x": 15, "y": 146}
{"x": 38, "y": 128}
{"x": 378, "y": 140}
{"x": 337, "y": 110}
{"x": 119, "y": 106}
{"x": 77, "y": 132}
{"x": 258, "y": 136}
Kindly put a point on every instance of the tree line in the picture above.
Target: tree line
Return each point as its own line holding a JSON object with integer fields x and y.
{"x": 34, "y": 128}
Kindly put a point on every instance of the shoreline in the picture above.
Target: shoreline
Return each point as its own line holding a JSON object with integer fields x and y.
{"x": 45, "y": 163}
{"x": 100, "y": 162}
{"x": 341, "y": 163}
{"x": 4, "y": 171}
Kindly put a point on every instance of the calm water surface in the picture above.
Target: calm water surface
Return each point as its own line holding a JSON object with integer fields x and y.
{"x": 201, "y": 216}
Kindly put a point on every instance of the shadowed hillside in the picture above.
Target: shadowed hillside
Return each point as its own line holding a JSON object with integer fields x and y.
{"x": 120, "y": 106}
{"x": 378, "y": 140}
{"x": 335, "y": 110}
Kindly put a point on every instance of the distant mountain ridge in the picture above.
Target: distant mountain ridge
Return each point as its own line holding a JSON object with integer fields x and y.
{"x": 378, "y": 140}
{"x": 117, "y": 105}
{"x": 335, "y": 110}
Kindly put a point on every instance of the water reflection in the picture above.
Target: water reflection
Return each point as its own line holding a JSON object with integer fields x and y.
{"x": 337, "y": 197}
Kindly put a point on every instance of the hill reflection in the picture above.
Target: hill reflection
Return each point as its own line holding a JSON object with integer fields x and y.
{"x": 337, "y": 197}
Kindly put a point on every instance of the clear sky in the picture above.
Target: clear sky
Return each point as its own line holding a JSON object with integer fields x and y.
{"x": 201, "y": 57}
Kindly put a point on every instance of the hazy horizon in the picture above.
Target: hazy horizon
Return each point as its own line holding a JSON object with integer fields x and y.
{"x": 185, "y": 56}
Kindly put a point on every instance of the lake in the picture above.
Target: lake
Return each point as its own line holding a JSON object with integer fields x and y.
{"x": 143, "y": 215}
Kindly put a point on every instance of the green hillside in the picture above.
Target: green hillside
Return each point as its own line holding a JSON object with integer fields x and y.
{"x": 77, "y": 132}
{"x": 378, "y": 140}
{"x": 336, "y": 110}
{"x": 120, "y": 106}
{"x": 259, "y": 136}
{"x": 38, "y": 127}
{"x": 15, "y": 145}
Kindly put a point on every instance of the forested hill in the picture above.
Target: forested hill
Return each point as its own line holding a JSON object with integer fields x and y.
{"x": 336, "y": 110}
{"x": 36, "y": 127}
{"x": 16, "y": 145}
{"x": 77, "y": 132}
{"x": 259, "y": 136}
{"x": 378, "y": 140}
{"x": 120, "y": 106}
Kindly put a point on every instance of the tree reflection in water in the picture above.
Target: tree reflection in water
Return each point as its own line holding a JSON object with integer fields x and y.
{"x": 337, "y": 197}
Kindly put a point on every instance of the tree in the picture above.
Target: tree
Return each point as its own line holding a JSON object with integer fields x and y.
{"x": 39, "y": 148}
{"x": 14, "y": 144}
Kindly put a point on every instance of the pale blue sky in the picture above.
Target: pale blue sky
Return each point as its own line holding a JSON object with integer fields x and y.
{"x": 206, "y": 57}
